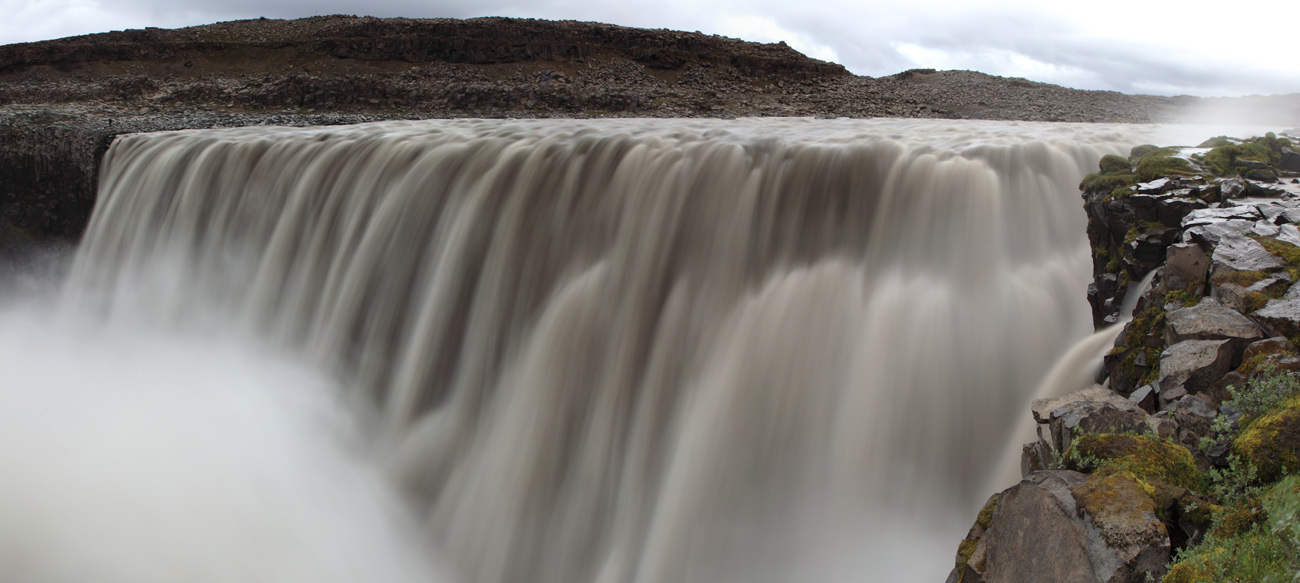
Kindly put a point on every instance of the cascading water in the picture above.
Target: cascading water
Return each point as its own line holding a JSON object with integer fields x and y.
{"x": 603, "y": 351}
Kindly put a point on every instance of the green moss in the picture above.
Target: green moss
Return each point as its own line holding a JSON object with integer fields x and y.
{"x": 1142, "y": 325}
{"x": 1184, "y": 297}
{"x": 1216, "y": 142}
{"x": 967, "y": 546}
{"x": 1288, "y": 252}
{"x": 1239, "y": 519}
{"x": 1224, "y": 159}
{"x": 1258, "y": 540}
{"x": 1255, "y": 300}
{"x": 1113, "y": 265}
{"x": 1111, "y": 164}
{"x": 1147, "y": 458}
{"x": 1107, "y": 182}
{"x": 1140, "y": 151}
{"x": 1241, "y": 278}
{"x": 1151, "y": 167}
{"x": 985, "y": 517}
{"x": 1272, "y": 442}
{"x": 964, "y": 550}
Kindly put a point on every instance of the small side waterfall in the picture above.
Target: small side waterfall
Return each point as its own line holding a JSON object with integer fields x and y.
{"x": 635, "y": 351}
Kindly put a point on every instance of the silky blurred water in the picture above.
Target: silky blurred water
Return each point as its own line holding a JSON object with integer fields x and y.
{"x": 548, "y": 351}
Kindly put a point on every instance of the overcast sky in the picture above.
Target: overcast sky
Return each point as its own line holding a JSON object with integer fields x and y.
{"x": 1134, "y": 46}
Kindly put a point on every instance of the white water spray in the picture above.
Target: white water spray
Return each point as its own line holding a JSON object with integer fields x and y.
{"x": 609, "y": 351}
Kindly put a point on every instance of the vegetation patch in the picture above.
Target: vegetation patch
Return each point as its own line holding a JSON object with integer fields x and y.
{"x": 1184, "y": 297}
{"x": 1146, "y": 458}
{"x": 1142, "y": 325}
{"x": 1228, "y": 158}
{"x": 1152, "y": 167}
{"x": 1241, "y": 278}
{"x": 1257, "y": 541}
{"x": 1272, "y": 442}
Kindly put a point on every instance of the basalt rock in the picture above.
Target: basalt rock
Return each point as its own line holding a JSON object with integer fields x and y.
{"x": 1279, "y": 318}
{"x": 1066, "y": 526}
{"x": 1195, "y": 365}
{"x": 1210, "y": 320}
{"x": 1091, "y": 417}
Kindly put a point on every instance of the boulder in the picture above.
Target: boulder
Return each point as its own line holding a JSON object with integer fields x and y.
{"x": 1290, "y": 160}
{"x": 1144, "y": 397}
{"x": 1185, "y": 265}
{"x": 1065, "y": 526}
{"x": 1162, "y": 426}
{"x": 1152, "y": 459}
{"x": 1261, "y": 175}
{"x": 1236, "y": 252}
{"x": 1194, "y": 364}
{"x": 1148, "y": 247}
{"x": 1125, "y": 513}
{"x": 1277, "y": 354}
{"x": 1171, "y": 396}
{"x": 1171, "y": 209}
{"x": 1194, "y": 415}
{"x": 1089, "y": 417}
{"x": 1232, "y": 188}
{"x": 1211, "y": 320}
{"x": 1123, "y": 379}
{"x": 1279, "y": 317}
{"x": 1230, "y": 295}
{"x": 1042, "y": 408}
{"x": 1156, "y": 186}
{"x": 1035, "y": 456}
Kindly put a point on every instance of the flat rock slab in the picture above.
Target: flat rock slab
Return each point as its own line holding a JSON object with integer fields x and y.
{"x": 1238, "y": 253}
{"x": 1209, "y": 216}
{"x": 1195, "y": 364}
{"x": 1210, "y": 320}
{"x": 1042, "y": 408}
{"x": 1212, "y": 232}
{"x": 1279, "y": 317}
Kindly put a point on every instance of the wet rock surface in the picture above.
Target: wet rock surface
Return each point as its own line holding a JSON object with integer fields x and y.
{"x": 1122, "y": 475}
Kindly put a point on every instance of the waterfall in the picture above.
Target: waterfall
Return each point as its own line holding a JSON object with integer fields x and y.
{"x": 612, "y": 351}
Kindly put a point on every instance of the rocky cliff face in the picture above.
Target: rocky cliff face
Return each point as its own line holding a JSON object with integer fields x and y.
{"x": 1196, "y": 419}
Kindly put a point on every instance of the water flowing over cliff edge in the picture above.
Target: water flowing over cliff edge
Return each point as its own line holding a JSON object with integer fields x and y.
{"x": 602, "y": 350}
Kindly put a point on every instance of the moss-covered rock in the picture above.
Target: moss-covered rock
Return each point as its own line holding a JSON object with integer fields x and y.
{"x": 1148, "y": 458}
{"x": 1123, "y": 508}
{"x": 1269, "y": 355}
{"x": 1272, "y": 442}
{"x": 1202, "y": 568}
{"x": 1111, "y": 164}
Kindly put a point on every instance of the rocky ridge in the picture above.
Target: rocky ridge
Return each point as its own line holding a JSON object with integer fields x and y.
{"x": 1156, "y": 473}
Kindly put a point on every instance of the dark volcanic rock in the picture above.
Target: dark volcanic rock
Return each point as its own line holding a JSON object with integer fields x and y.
{"x": 1066, "y": 526}
{"x": 1194, "y": 364}
{"x": 1210, "y": 320}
